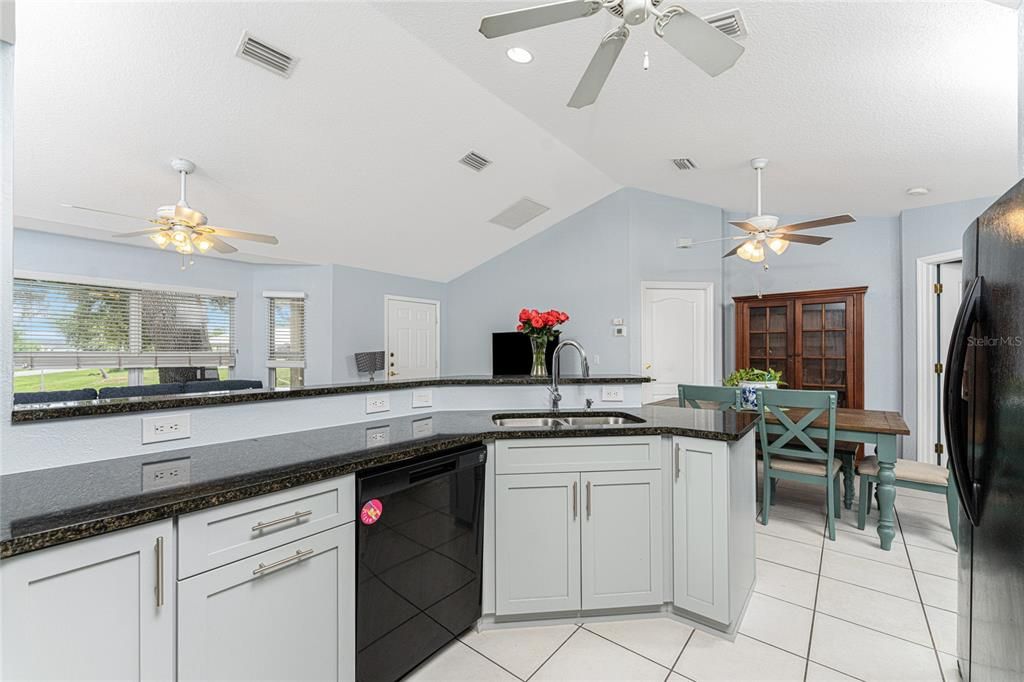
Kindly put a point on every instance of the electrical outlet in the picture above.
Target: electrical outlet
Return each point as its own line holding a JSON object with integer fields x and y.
{"x": 611, "y": 394}
{"x": 378, "y": 402}
{"x": 423, "y": 427}
{"x": 165, "y": 474}
{"x": 422, "y": 398}
{"x": 379, "y": 435}
{"x": 167, "y": 427}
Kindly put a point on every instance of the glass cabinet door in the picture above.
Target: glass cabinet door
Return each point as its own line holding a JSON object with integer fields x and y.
{"x": 768, "y": 341}
{"x": 824, "y": 357}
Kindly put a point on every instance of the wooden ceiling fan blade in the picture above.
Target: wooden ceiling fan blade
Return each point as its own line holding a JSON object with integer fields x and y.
{"x": 840, "y": 219}
{"x": 235, "y": 234}
{"x": 100, "y": 210}
{"x": 598, "y": 70}
{"x": 506, "y": 23}
{"x": 745, "y": 225}
{"x": 698, "y": 41}
{"x": 219, "y": 245}
{"x": 126, "y": 235}
{"x": 802, "y": 238}
{"x": 733, "y": 251}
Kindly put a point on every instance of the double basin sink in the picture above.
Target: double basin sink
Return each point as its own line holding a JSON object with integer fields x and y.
{"x": 568, "y": 419}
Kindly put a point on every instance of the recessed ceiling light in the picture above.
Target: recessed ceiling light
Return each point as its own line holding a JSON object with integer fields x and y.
{"x": 520, "y": 55}
{"x": 918, "y": 191}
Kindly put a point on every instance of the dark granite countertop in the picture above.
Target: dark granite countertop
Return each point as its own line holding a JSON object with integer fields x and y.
{"x": 53, "y": 506}
{"x": 93, "y": 408}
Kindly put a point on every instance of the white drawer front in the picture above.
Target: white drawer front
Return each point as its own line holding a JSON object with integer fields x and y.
{"x": 544, "y": 455}
{"x": 214, "y": 537}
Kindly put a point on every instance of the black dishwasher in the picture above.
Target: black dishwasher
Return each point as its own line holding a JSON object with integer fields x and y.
{"x": 419, "y": 552}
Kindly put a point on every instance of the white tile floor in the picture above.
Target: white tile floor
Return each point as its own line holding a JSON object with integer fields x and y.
{"x": 821, "y": 610}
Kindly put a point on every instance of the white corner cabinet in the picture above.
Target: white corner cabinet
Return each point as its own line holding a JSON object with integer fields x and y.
{"x": 713, "y": 513}
{"x": 265, "y": 589}
{"x": 97, "y": 609}
{"x": 578, "y": 525}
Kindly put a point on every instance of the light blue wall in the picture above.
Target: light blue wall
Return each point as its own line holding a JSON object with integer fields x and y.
{"x": 589, "y": 265}
{"x": 358, "y": 324}
{"x": 861, "y": 253}
{"x": 926, "y": 232}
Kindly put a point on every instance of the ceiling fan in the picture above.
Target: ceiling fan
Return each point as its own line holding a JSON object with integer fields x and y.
{"x": 761, "y": 230}
{"x": 694, "y": 38}
{"x": 183, "y": 227}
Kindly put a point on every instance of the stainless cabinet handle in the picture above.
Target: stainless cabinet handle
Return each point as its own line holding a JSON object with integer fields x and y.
{"x": 284, "y": 519}
{"x": 575, "y": 514}
{"x": 299, "y": 555}
{"x": 160, "y": 571}
{"x": 588, "y": 499}
{"x": 677, "y": 461}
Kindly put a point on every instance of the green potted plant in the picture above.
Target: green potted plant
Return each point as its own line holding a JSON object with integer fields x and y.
{"x": 749, "y": 380}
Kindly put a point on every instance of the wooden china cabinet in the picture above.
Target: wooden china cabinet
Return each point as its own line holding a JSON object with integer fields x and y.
{"x": 816, "y": 338}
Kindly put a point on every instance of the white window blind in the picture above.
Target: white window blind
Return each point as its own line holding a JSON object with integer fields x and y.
{"x": 66, "y": 325}
{"x": 286, "y": 329}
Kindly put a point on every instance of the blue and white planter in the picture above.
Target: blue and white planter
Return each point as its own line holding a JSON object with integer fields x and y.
{"x": 748, "y": 392}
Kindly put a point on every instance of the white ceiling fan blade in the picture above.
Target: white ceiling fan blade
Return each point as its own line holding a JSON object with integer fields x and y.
{"x": 235, "y": 234}
{"x": 505, "y": 23}
{"x": 599, "y": 68}
{"x": 698, "y": 41}
{"x": 803, "y": 238}
{"x": 841, "y": 219}
{"x": 125, "y": 235}
{"x": 745, "y": 225}
{"x": 219, "y": 245}
{"x": 100, "y": 210}
{"x": 683, "y": 245}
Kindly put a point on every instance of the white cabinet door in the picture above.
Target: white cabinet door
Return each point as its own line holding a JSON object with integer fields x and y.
{"x": 700, "y": 518}
{"x": 286, "y": 614}
{"x": 89, "y": 609}
{"x": 621, "y": 539}
{"x": 537, "y": 543}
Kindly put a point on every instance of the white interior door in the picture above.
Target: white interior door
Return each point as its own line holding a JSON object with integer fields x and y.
{"x": 413, "y": 338}
{"x": 950, "y": 276}
{"x": 677, "y": 337}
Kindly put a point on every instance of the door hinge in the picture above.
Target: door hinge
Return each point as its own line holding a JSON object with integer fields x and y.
{"x": 938, "y": 368}
{"x": 939, "y": 449}
{"x": 937, "y": 288}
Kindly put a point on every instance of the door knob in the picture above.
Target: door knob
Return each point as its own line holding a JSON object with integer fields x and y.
{"x": 392, "y": 373}
{"x": 647, "y": 365}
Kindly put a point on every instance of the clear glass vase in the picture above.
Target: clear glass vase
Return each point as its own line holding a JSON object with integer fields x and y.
{"x": 540, "y": 348}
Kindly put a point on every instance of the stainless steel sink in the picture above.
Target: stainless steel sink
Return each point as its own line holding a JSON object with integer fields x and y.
{"x": 514, "y": 421}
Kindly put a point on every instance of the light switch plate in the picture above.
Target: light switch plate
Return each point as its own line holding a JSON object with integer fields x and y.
{"x": 611, "y": 394}
{"x": 166, "y": 474}
{"x": 377, "y": 402}
{"x": 423, "y": 427}
{"x": 422, "y": 398}
{"x": 166, "y": 427}
{"x": 380, "y": 435}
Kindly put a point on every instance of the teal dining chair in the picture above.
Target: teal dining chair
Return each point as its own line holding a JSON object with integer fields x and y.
{"x": 930, "y": 478}
{"x": 722, "y": 397}
{"x": 793, "y": 455}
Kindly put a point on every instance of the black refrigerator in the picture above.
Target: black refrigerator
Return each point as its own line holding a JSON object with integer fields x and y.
{"x": 984, "y": 422}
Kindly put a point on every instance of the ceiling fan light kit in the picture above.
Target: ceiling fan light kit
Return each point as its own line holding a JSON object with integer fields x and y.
{"x": 182, "y": 227}
{"x": 706, "y": 46}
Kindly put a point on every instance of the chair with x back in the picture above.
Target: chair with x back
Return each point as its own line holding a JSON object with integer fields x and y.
{"x": 794, "y": 455}
{"x": 709, "y": 397}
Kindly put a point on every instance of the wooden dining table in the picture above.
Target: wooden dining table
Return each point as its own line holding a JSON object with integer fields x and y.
{"x": 880, "y": 428}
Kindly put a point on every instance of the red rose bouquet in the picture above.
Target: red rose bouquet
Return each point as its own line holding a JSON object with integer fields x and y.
{"x": 540, "y": 327}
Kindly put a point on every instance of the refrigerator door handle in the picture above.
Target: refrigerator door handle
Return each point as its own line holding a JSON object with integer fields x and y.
{"x": 955, "y": 413}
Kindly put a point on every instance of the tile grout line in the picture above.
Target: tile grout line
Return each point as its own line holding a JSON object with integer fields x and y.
{"x": 559, "y": 648}
{"x": 809, "y": 661}
{"x": 488, "y": 658}
{"x": 623, "y": 646}
{"x": 680, "y": 655}
{"x": 924, "y": 611}
{"x": 814, "y": 611}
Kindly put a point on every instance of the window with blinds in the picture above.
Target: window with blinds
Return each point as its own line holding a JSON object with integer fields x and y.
{"x": 286, "y": 329}
{"x": 68, "y": 325}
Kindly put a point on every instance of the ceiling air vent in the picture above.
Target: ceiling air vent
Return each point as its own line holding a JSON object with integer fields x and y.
{"x": 684, "y": 164}
{"x": 270, "y": 58}
{"x": 519, "y": 213}
{"x": 730, "y": 23}
{"x": 475, "y": 161}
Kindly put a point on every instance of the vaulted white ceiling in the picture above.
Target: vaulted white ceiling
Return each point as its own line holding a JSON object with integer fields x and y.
{"x": 352, "y": 160}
